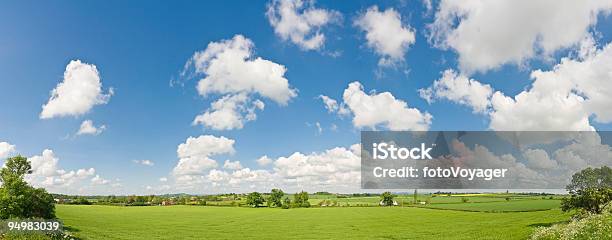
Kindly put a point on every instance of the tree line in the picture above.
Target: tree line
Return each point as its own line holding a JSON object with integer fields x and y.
{"x": 277, "y": 198}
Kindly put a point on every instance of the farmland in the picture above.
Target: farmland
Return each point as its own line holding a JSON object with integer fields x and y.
{"x": 482, "y": 217}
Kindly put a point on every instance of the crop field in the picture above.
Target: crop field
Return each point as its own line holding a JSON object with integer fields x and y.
{"x": 206, "y": 222}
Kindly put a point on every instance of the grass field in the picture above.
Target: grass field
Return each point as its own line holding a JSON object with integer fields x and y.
{"x": 199, "y": 222}
{"x": 501, "y": 206}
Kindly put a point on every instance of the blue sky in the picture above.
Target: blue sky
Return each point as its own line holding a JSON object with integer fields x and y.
{"x": 139, "y": 47}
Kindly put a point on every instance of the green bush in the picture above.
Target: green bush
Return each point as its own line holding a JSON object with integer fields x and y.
{"x": 590, "y": 226}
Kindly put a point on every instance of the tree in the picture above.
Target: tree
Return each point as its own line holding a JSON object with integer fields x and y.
{"x": 131, "y": 199}
{"x": 254, "y": 199}
{"x": 590, "y": 190}
{"x": 387, "y": 198}
{"x": 17, "y": 198}
{"x": 415, "y": 196}
{"x": 276, "y": 197}
{"x": 301, "y": 199}
{"x": 590, "y": 178}
{"x": 286, "y": 203}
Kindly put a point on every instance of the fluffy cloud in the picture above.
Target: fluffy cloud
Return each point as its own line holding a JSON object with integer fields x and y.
{"x": 194, "y": 155}
{"x": 560, "y": 99}
{"x": 264, "y": 161}
{"x": 235, "y": 165}
{"x": 88, "y": 128}
{"x": 386, "y": 34}
{"x": 99, "y": 180}
{"x": 539, "y": 159}
{"x": 586, "y": 150}
{"x": 231, "y": 69}
{"x": 332, "y": 106}
{"x": 460, "y": 89}
{"x": 486, "y": 34}
{"x": 337, "y": 167}
{"x": 383, "y": 109}
{"x": 83, "y": 173}
{"x": 144, "y": 162}
{"x": 47, "y": 173}
{"x": 6, "y": 149}
{"x": 230, "y": 112}
{"x": 300, "y": 22}
{"x": 566, "y": 98}
{"x": 79, "y": 91}
{"x": 45, "y": 164}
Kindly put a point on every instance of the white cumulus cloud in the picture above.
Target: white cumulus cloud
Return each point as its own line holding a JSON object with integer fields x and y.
{"x": 230, "y": 112}
{"x": 333, "y": 106}
{"x": 6, "y": 149}
{"x": 383, "y": 109}
{"x": 264, "y": 161}
{"x": 563, "y": 98}
{"x": 88, "y": 128}
{"x": 539, "y": 159}
{"x": 47, "y": 173}
{"x": 460, "y": 89}
{"x": 386, "y": 34}
{"x": 79, "y": 91}
{"x": 194, "y": 155}
{"x": 99, "y": 180}
{"x": 487, "y": 34}
{"x": 230, "y": 69}
{"x": 232, "y": 165}
{"x": 300, "y": 22}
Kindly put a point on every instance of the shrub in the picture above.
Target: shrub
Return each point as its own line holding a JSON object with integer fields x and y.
{"x": 465, "y": 200}
{"x": 81, "y": 201}
{"x": 591, "y": 226}
{"x": 588, "y": 200}
{"x": 286, "y": 203}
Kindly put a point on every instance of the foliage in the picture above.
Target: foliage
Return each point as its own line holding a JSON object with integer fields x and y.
{"x": 387, "y": 198}
{"x": 301, "y": 200}
{"x": 590, "y": 178}
{"x": 276, "y": 197}
{"x": 590, "y": 190}
{"x": 17, "y": 198}
{"x": 286, "y": 203}
{"x": 592, "y": 226}
{"x": 254, "y": 199}
{"x": 589, "y": 200}
{"x": 81, "y": 201}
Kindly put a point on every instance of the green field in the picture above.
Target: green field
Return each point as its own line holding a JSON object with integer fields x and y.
{"x": 500, "y": 206}
{"x": 201, "y": 222}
